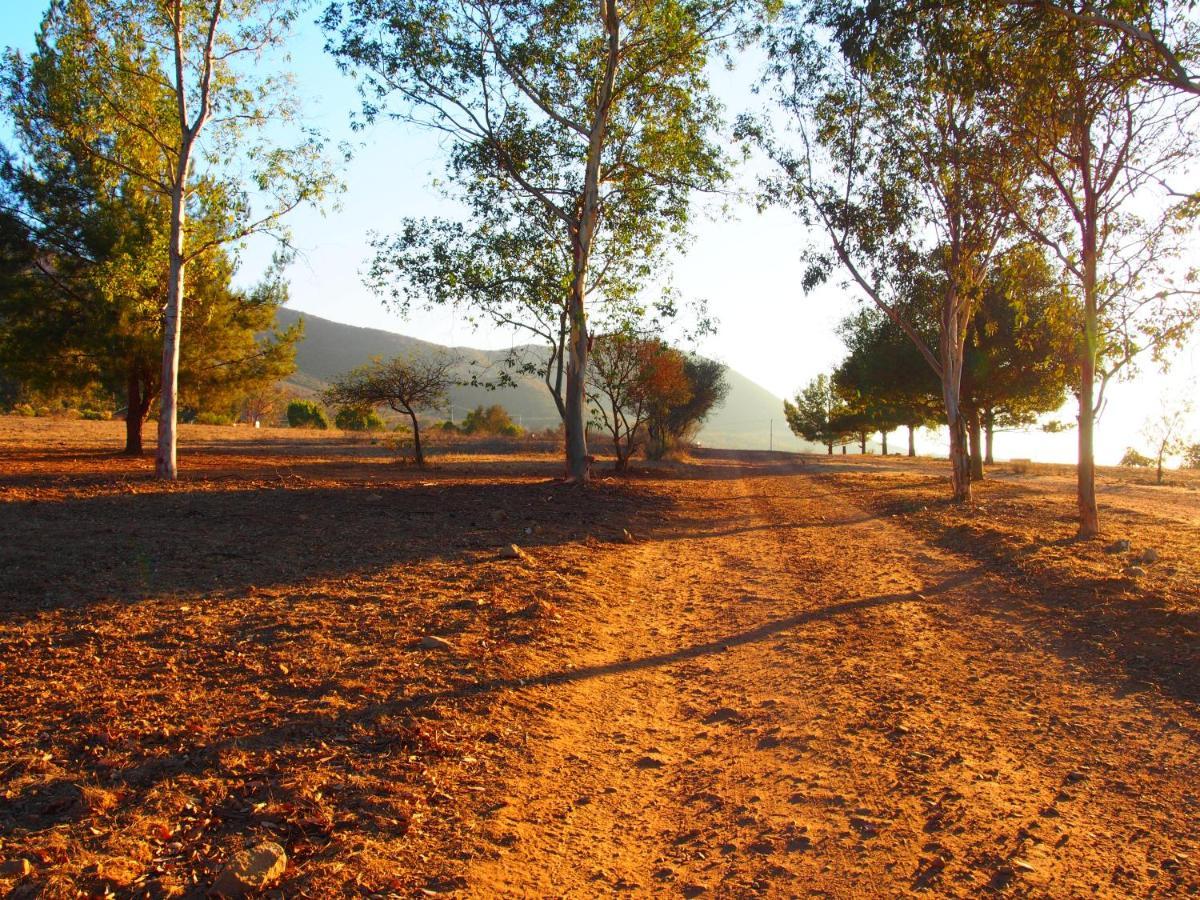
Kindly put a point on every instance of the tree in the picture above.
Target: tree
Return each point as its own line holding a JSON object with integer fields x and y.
{"x": 306, "y": 414}
{"x": 358, "y": 418}
{"x": 818, "y": 414}
{"x": 884, "y": 366}
{"x": 907, "y": 180}
{"x": 1104, "y": 144}
{"x": 84, "y": 310}
{"x": 175, "y": 77}
{"x": 1019, "y": 349}
{"x": 674, "y": 424}
{"x": 631, "y": 376}
{"x": 493, "y": 420}
{"x": 1164, "y": 36}
{"x": 404, "y": 385}
{"x": 1167, "y": 433}
{"x": 577, "y": 135}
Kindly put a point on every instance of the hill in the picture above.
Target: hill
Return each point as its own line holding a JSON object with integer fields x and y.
{"x": 329, "y": 348}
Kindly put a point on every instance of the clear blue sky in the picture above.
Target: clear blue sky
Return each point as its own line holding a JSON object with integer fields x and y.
{"x": 746, "y": 267}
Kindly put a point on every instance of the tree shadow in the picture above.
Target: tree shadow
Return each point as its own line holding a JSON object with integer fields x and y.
{"x": 69, "y": 553}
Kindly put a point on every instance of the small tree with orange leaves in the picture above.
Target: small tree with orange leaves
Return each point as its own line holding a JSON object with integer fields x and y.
{"x": 631, "y": 377}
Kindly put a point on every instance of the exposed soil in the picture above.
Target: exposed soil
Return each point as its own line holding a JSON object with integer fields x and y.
{"x": 744, "y": 675}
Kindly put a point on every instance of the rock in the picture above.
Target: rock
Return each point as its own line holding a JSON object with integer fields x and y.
{"x": 649, "y": 762}
{"x": 1021, "y": 865}
{"x": 694, "y": 890}
{"x": 1121, "y": 546}
{"x": 373, "y": 498}
{"x": 250, "y": 871}
{"x": 512, "y": 551}
{"x": 626, "y": 536}
{"x": 433, "y": 642}
{"x": 1149, "y": 555}
{"x": 1135, "y": 571}
{"x": 16, "y": 868}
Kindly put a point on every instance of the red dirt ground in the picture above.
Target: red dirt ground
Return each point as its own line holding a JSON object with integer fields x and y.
{"x": 798, "y": 676}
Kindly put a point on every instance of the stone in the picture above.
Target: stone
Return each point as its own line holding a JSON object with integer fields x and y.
{"x": 1149, "y": 555}
{"x": 250, "y": 871}
{"x": 1135, "y": 571}
{"x": 433, "y": 642}
{"x": 512, "y": 551}
{"x": 1121, "y": 546}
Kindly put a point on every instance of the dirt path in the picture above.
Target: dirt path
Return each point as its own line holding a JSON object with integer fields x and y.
{"x": 784, "y": 695}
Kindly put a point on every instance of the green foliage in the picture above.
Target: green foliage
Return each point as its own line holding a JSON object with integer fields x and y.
{"x": 306, "y": 414}
{"x": 1133, "y": 458}
{"x": 1191, "y": 456}
{"x": 492, "y": 420}
{"x": 213, "y": 418}
{"x": 358, "y": 418}
{"x": 576, "y": 135}
{"x": 404, "y": 385}
{"x": 818, "y": 414}
{"x": 86, "y": 227}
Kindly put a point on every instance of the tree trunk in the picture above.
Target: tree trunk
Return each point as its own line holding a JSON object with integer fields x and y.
{"x": 1089, "y": 515}
{"x": 862, "y": 443}
{"x": 134, "y": 416}
{"x": 829, "y": 447}
{"x": 1160, "y": 462}
{"x": 576, "y": 402}
{"x": 418, "y": 456}
{"x": 952, "y": 365}
{"x": 912, "y": 440}
{"x": 883, "y": 441}
{"x": 165, "y": 464}
{"x": 975, "y": 441}
{"x": 989, "y": 428}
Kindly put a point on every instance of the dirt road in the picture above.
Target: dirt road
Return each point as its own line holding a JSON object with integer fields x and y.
{"x": 785, "y": 695}
{"x": 798, "y": 678}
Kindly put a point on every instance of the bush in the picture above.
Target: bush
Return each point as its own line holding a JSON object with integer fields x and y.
{"x": 94, "y": 415}
{"x": 22, "y": 409}
{"x": 212, "y": 418}
{"x": 358, "y": 418}
{"x": 306, "y": 414}
{"x": 447, "y": 426}
{"x": 1133, "y": 458}
{"x": 493, "y": 420}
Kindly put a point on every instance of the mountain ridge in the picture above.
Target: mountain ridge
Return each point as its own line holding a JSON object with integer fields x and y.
{"x": 751, "y": 418}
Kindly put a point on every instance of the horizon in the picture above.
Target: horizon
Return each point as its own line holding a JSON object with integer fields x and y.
{"x": 746, "y": 264}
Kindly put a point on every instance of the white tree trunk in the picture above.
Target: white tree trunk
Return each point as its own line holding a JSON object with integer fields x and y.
{"x": 165, "y": 465}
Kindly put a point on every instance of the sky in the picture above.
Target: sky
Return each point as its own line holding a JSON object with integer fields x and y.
{"x": 745, "y": 264}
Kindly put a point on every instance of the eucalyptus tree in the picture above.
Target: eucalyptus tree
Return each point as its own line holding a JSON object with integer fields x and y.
{"x": 889, "y": 152}
{"x": 1105, "y": 146}
{"x": 576, "y": 131}
{"x": 1163, "y": 35}
{"x": 185, "y": 77}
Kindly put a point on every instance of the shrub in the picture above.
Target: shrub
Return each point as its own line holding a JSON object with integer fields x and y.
{"x": 212, "y": 418}
{"x": 306, "y": 414}
{"x": 493, "y": 420}
{"x": 94, "y": 415}
{"x": 22, "y": 409}
{"x": 447, "y": 426}
{"x": 1133, "y": 458}
{"x": 358, "y": 418}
